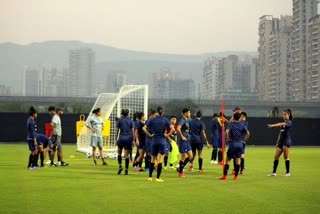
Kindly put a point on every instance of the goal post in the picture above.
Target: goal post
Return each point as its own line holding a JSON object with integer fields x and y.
{"x": 132, "y": 97}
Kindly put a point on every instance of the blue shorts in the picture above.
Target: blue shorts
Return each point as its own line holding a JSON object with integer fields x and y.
{"x": 216, "y": 141}
{"x": 168, "y": 146}
{"x": 31, "y": 145}
{"x": 148, "y": 144}
{"x": 184, "y": 146}
{"x": 243, "y": 148}
{"x": 234, "y": 150}
{"x": 196, "y": 146}
{"x": 125, "y": 142}
{"x": 142, "y": 145}
{"x": 158, "y": 146}
{"x": 286, "y": 143}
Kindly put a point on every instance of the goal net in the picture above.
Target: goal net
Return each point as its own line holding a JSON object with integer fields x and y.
{"x": 132, "y": 97}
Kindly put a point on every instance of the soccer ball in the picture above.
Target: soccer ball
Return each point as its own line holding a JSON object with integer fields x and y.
{"x": 88, "y": 154}
{"x": 98, "y": 155}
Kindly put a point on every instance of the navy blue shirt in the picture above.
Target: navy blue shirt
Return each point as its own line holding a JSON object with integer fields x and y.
{"x": 125, "y": 125}
{"x": 245, "y": 123}
{"x": 42, "y": 138}
{"x": 138, "y": 126}
{"x": 285, "y": 132}
{"x": 236, "y": 130}
{"x": 31, "y": 128}
{"x": 214, "y": 125}
{"x": 196, "y": 127}
{"x": 185, "y": 127}
{"x": 158, "y": 126}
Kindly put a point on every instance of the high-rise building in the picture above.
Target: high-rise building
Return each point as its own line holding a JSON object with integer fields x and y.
{"x": 210, "y": 79}
{"x": 279, "y": 64}
{"x": 5, "y": 90}
{"x": 80, "y": 73}
{"x": 313, "y": 60}
{"x": 253, "y": 75}
{"x": 266, "y": 25}
{"x": 303, "y": 11}
{"x": 166, "y": 85}
{"x": 53, "y": 81}
{"x": 31, "y": 81}
{"x": 45, "y": 80}
{"x": 234, "y": 79}
{"x": 116, "y": 80}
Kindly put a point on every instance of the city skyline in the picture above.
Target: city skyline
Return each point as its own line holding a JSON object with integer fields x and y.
{"x": 205, "y": 26}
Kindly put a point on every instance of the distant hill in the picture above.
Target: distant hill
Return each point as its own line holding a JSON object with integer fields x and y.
{"x": 137, "y": 64}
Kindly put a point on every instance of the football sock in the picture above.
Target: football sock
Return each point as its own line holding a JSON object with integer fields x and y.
{"x": 148, "y": 161}
{"x": 288, "y": 166}
{"x": 37, "y": 158}
{"x": 130, "y": 155}
{"x": 275, "y": 165}
{"x": 242, "y": 164}
{"x": 30, "y": 160}
{"x": 159, "y": 169}
{"x": 34, "y": 160}
{"x": 214, "y": 154}
{"x": 165, "y": 160}
{"x": 237, "y": 167}
{"x": 225, "y": 170}
{"x": 234, "y": 163}
{"x": 119, "y": 161}
{"x": 41, "y": 159}
{"x": 219, "y": 156}
{"x": 151, "y": 169}
{"x": 200, "y": 163}
{"x": 186, "y": 161}
{"x": 127, "y": 163}
{"x": 181, "y": 166}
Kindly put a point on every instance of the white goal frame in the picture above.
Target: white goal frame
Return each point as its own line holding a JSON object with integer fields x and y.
{"x": 132, "y": 97}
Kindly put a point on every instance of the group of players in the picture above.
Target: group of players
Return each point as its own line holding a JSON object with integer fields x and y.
{"x": 155, "y": 137}
{"x": 40, "y": 144}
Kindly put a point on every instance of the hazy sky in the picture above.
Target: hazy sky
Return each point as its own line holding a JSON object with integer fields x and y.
{"x": 166, "y": 26}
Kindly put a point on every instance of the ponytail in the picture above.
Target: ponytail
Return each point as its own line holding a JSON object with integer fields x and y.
{"x": 32, "y": 111}
{"x": 125, "y": 112}
{"x": 288, "y": 111}
{"x": 95, "y": 111}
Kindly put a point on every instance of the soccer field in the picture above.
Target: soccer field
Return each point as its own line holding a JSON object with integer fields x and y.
{"x": 84, "y": 188}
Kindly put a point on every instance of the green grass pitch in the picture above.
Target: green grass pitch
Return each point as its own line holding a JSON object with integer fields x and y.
{"x": 84, "y": 188}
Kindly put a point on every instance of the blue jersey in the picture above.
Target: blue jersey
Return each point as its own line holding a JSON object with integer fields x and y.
{"x": 196, "y": 127}
{"x": 142, "y": 136}
{"x": 214, "y": 126}
{"x": 245, "y": 123}
{"x": 236, "y": 131}
{"x": 158, "y": 126}
{"x": 285, "y": 132}
{"x": 125, "y": 125}
{"x": 42, "y": 138}
{"x": 185, "y": 127}
{"x": 31, "y": 128}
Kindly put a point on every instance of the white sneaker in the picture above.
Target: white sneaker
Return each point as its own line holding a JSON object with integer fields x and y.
{"x": 48, "y": 162}
{"x": 215, "y": 162}
{"x": 272, "y": 174}
{"x": 287, "y": 175}
{"x": 58, "y": 163}
{"x": 212, "y": 161}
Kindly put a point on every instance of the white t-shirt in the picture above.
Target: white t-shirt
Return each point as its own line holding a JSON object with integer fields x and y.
{"x": 97, "y": 124}
{"x": 57, "y": 127}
